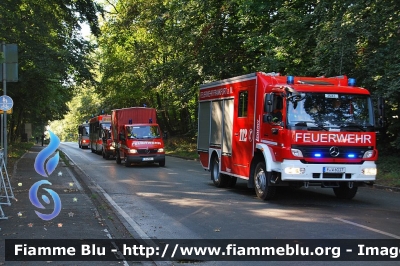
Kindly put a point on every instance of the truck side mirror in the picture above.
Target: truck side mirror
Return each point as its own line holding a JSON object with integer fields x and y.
{"x": 267, "y": 118}
{"x": 268, "y": 102}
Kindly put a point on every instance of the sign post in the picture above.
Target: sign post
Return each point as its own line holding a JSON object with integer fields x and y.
{"x": 9, "y": 73}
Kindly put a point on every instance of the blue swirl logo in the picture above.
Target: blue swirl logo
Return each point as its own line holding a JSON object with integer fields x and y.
{"x": 40, "y": 160}
{"x": 45, "y": 169}
{"x": 35, "y": 201}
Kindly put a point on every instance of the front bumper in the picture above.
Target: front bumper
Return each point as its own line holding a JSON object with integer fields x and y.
{"x": 319, "y": 172}
{"x": 148, "y": 158}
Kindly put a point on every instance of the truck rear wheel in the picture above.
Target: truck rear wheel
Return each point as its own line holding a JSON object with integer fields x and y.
{"x": 344, "y": 191}
{"x": 261, "y": 186}
{"x": 219, "y": 180}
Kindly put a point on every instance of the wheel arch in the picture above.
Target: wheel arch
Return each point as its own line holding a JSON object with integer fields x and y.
{"x": 262, "y": 153}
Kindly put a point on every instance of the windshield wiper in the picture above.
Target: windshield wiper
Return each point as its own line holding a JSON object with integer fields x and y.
{"x": 304, "y": 123}
{"x": 321, "y": 126}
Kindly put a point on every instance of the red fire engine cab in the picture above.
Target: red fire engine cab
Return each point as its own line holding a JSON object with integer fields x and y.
{"x": 274, "y": 130}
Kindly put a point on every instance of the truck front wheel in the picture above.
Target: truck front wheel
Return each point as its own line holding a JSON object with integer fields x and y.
{"x": 344, "y": 191}
{"x": 261, "y": 186}
{"x": 219, "y": 180}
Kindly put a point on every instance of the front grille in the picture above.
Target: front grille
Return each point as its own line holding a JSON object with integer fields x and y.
{"x": 331, "y": 175}
{"x": 147, "y": 151}
{"x": 324, "y": 151}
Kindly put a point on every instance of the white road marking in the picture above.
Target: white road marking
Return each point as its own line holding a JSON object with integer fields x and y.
{"x": 368, "y": 228}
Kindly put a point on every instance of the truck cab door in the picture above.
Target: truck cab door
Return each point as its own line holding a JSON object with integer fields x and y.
{"x": 273, "y": 127}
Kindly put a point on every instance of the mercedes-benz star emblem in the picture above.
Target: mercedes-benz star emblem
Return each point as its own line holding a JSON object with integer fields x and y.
{"x": 334, "y": 151}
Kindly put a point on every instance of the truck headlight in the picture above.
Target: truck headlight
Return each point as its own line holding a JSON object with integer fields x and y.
{"x": 369, "y": 171}
{"x": 160, "y": 150}
{"x": 297, "y": 153}
{"x": 132, "y": 151}
{"x": 368, "y": 154}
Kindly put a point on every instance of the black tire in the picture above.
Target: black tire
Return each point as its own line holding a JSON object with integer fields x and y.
{"x": 219, "y": 180}
{"x": 79, "y": 144}
{"x": 118, "y": 158}
{"x": 126, "y": 163}
{"x": 161, "y": 163}
{"x": 344, "y": 192}
{"x": 261, "y": 183}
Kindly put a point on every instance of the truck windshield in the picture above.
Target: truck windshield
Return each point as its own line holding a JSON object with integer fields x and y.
{"x": 142, "y": 132}
{"x": 327, "y": 111}
{"x": 85, "y": 131}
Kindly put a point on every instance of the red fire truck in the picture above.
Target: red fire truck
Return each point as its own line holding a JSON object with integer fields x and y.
{"x": 83, "y": 135}
{"x": 137, "y": 138}
{"x": 274, "y": 130}
{"x": 97, "y": 126}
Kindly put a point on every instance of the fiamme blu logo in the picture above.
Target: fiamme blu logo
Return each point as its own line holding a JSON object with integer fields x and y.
{"x": 45, "y": 163}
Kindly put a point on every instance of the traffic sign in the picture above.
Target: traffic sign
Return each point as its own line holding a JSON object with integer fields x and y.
{"x": 9, "y": 112}
{"x": 6, "y": 103}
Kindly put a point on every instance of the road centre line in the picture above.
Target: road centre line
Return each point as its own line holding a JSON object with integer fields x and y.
{"x": 368, "y": 228}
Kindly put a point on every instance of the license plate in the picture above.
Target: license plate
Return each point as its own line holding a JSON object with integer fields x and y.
{"x": 334, "y": 169}
{"x": 148, "y": 159}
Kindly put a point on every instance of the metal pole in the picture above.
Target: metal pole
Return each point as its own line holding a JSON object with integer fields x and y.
{"x": 4, "y": 112}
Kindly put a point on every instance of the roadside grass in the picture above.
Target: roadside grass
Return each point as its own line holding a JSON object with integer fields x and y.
{"x": 181, "y": 147}
{"x": 64, "y": 158}
{"x": 15, "y": 151}
{"x": 388, "y": 170}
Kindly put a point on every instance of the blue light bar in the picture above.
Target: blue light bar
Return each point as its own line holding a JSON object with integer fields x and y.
{"x": 351, "y": 82}
{"x": 351, "y": 155}
{"x": 290, "y": 80}
{"x": 318, "y": 155}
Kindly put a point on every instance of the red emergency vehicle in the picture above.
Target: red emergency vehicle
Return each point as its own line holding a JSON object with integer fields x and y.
{"x": 108, "y": 147}
{"x": 137, "y": 138}
{"x": 97, "y": 126}
{"x": 274, "y": 130}
{"x": 83, "y": 136}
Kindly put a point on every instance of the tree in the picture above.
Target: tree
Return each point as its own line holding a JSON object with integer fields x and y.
{"x": 52, "y": 56}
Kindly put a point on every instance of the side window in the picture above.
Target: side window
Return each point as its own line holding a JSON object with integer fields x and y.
{"x": 243, "y": 102}
{"x": 277, "y": 109}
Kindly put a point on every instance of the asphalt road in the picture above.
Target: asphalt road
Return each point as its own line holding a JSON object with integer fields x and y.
{"x": 179, "y": 201}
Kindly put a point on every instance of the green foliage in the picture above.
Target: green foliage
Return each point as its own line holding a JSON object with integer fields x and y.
{"x": 388, "y": 171}
{"x": 159, "y": 52}
{"x": 182, "y": 147}
{"x": 52, "y": 57}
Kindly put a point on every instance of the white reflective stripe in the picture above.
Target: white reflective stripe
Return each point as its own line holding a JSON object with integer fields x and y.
{"x": 270, "y": 142}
